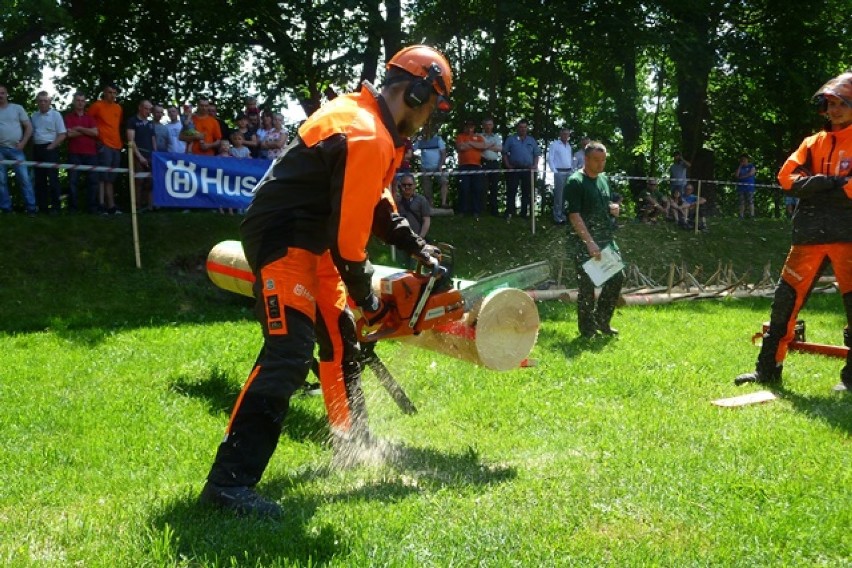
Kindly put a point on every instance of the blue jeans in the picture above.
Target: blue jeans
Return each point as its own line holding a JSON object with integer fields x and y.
{"x": 559, "y": 180}
{"x": 22, "y": 173}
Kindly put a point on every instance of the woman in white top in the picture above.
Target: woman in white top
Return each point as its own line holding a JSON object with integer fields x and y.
{"x": 265, "y": 127}
{"x": 276, "y": 138}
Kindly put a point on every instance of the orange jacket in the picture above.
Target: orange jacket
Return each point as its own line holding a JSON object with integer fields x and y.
{"x": 108, "y": 117}
{"x": 209, "y": 127}
{"x": 471, "y": 156}
{"x": 328, "y": 191}
{"x": 824, "y": 214}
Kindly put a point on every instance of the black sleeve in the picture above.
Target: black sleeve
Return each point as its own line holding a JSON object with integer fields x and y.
{"x": 805, "y": 187}
{"x": 358, "y": 278}
{"x": 393, "y": 229}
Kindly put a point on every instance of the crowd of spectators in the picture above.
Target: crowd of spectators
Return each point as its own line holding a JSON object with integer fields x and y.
{"x": 494, "y": 175}
{"x": 95, "y": 135}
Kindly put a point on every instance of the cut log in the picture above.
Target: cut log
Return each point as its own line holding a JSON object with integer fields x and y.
{"x": 228, "y": 269}
{"x": 499, "y": 335}
{"x": 497, "y": 332}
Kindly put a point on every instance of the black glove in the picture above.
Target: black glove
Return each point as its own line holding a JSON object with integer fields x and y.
{"x": 374, "y": 310}
{"x": 428, "y": 255}
{"x": 817, "y": 184}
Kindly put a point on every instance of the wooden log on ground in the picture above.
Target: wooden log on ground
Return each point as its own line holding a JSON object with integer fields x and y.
{"x": 499, "y": 335}
{"x": 228, "y": 269}
{"x": 498, "y": 332}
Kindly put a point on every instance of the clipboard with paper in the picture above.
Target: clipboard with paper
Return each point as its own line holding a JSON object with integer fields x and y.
{"x": 608, "y": 266}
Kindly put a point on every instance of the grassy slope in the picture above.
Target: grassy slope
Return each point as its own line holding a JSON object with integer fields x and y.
{"x": 49, "y": 267}
{"x": 116, "y": 385}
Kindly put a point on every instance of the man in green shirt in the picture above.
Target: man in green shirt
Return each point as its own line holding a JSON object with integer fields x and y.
{"x": 590, "y": 210}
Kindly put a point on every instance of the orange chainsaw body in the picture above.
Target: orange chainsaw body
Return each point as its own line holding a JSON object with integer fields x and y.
{"x": 403, "y": 291}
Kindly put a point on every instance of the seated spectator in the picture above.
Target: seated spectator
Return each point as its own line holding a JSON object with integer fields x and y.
{"x": 652, "y": 203}
{"x": 691, "y": 202}
{"x": 414, "y": 207}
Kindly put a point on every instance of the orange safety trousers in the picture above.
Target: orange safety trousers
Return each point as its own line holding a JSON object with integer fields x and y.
{"x": 300, "y": 301}
{"x": 801, "y": 270}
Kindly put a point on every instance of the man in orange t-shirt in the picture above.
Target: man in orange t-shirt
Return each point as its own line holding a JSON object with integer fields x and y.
{"x": 471, "y": 183}
{"x": 108, "y": 117}
{"x": 208, "y": 134}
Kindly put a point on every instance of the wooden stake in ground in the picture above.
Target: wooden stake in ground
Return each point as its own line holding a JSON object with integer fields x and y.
{"x": 133, "y": 220}
{"x": 745, "y": 399}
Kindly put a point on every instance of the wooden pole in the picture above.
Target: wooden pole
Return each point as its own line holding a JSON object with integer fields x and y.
{"x": 532, "y": 200}
{"x": 498, "y": 333}
{"x": 133, "y": 219}
{"x": 697, "y": 207}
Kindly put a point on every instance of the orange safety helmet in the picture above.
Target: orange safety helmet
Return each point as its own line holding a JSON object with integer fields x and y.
{"x": 840, "y": 87}
{"x": 425, "y": 62}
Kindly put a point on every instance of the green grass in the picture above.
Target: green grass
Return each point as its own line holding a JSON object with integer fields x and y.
{"x": 117, "y": 382}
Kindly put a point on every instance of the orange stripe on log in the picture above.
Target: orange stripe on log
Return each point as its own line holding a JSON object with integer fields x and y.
{"x": 225, "y": 270}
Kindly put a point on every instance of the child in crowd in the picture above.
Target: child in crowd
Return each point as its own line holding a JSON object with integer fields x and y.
{"x": 249, "y": 135}
{"x": 225, "y": 152}
{"x": 238, "y": 147}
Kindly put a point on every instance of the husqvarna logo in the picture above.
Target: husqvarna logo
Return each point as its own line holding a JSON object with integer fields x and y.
{"x": 181, "y": 182}
{"x": 185, "y": 179}
{"x": 300, "y": 290}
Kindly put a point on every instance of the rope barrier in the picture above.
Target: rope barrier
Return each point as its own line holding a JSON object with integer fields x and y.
{"x": 57, "y": 166}
{"x": 453, "y": 172}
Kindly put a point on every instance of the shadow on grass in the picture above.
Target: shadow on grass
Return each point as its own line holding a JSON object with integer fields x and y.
{"x": 834, "y": 409}
{"x": 208, "y": 536}
{"x": 219, "y": 391}
{"x": 555, "y": 341}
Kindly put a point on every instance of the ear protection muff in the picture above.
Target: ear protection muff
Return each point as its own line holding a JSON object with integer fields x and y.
{"x": 420, "y": 90}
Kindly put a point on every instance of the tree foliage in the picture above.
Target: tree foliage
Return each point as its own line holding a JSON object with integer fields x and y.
{"x": 711, "y": 77}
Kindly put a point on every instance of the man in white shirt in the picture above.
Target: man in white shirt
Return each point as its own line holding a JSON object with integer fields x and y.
{"x": 174, "y": 126}
{"x": 580, "y": 155}
{"x": 560, "y": 159}
{"x": 492, "y": 161}
{"x": 48, "y": 134}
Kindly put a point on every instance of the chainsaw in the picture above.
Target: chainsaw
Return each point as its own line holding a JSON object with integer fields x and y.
{"x": 420, "y": 299}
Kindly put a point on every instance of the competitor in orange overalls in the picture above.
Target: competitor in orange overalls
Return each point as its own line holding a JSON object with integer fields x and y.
{"x": 819, "y": 174}
{"x": 305, "y": 236}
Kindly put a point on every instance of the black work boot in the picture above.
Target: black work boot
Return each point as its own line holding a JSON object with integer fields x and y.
{"x": 241, "y": 500}
{"x": 770, "y": 377}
